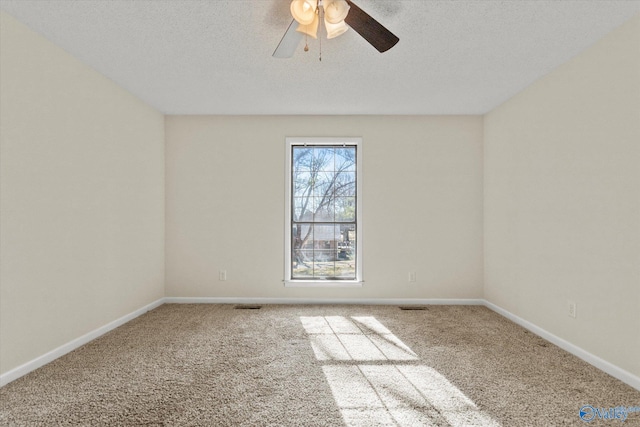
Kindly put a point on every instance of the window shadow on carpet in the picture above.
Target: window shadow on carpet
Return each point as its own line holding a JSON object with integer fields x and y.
{"x": 378, "y": 380}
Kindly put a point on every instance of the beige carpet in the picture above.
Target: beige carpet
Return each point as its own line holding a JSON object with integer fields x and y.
{"x": 213, "y": 365}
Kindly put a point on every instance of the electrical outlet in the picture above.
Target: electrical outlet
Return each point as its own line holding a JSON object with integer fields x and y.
{"x": 222, "y": 275}
{"x": 573, "y": 309}
{"x": 412, "y": 276}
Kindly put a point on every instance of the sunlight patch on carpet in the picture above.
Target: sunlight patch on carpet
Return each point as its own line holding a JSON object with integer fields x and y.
{"x": 358, "y": 338}
{"x": 385, "y": 392}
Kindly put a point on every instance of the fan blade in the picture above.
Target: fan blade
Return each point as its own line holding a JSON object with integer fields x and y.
{"x": 370, "y": 29}
{"x": 289, "y": 42}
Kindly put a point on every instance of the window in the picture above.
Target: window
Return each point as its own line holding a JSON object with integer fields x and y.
{"x": 323, "y": 212}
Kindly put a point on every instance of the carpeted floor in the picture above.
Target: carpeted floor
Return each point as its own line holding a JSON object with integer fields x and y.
{"x": 213, "y": 365}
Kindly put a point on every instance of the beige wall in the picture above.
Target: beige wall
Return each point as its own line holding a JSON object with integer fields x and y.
{"x": 422, "y": 205}
{"x": 81, "y": 198}
{"x": 562, "y": 200}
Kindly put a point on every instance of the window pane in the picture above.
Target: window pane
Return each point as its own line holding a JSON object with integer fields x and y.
{"x": 345, "y": 159}
{"x": 303, "y": 209}
{"x": 345, "y": 184}
{"x": 325, "y": 210}
{"x": 345, "y": 269}
{"x": 302, "y": 159}
{"x": 301, "y": 184}
{"x": 323, "y": 184}
{"x": 302, "y": 264}
{"x": 346, "y": 241}
{"x": 345, "y": 209}
{"x": 324, "y": 264}
{"x": 324, "y": 237}
{"x": 323, "y": 158}
{"x": 302, "y": 236}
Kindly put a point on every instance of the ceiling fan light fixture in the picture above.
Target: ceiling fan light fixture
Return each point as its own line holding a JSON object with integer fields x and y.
{"x": 334, "y": 30}
{"x": 309, "y": 29}
{"x": 338, "y": 16}
{"x": 304, "y": 11}
{"x": 335, "y": 10}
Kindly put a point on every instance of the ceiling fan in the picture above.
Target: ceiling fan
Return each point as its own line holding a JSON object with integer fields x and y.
{"x": 339, "y": 16}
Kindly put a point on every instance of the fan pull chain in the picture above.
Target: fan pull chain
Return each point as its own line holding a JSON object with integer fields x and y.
{"x": 321, "y": 19}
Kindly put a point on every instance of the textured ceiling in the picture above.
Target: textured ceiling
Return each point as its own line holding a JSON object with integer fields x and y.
{"x": 214, "y": 56}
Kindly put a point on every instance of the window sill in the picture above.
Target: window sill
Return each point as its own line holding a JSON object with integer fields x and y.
{"x": 323, "y": 283}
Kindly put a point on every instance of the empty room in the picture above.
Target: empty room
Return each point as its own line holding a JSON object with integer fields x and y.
{"x": 319, "y": 213}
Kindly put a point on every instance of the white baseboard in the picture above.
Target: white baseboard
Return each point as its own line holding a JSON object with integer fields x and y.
{"x": 599, "y": 363}
{"x": 603, "y": 365}
{"x": 34, "y": 364}
{"x": 372, "y": 301}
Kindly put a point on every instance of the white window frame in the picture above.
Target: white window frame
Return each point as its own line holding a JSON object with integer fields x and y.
{"x": 305, "y": 283}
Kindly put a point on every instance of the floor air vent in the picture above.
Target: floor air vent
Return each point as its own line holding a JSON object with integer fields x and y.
{"x": 412, "y": 307}
{"x": 247, "y": 307}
